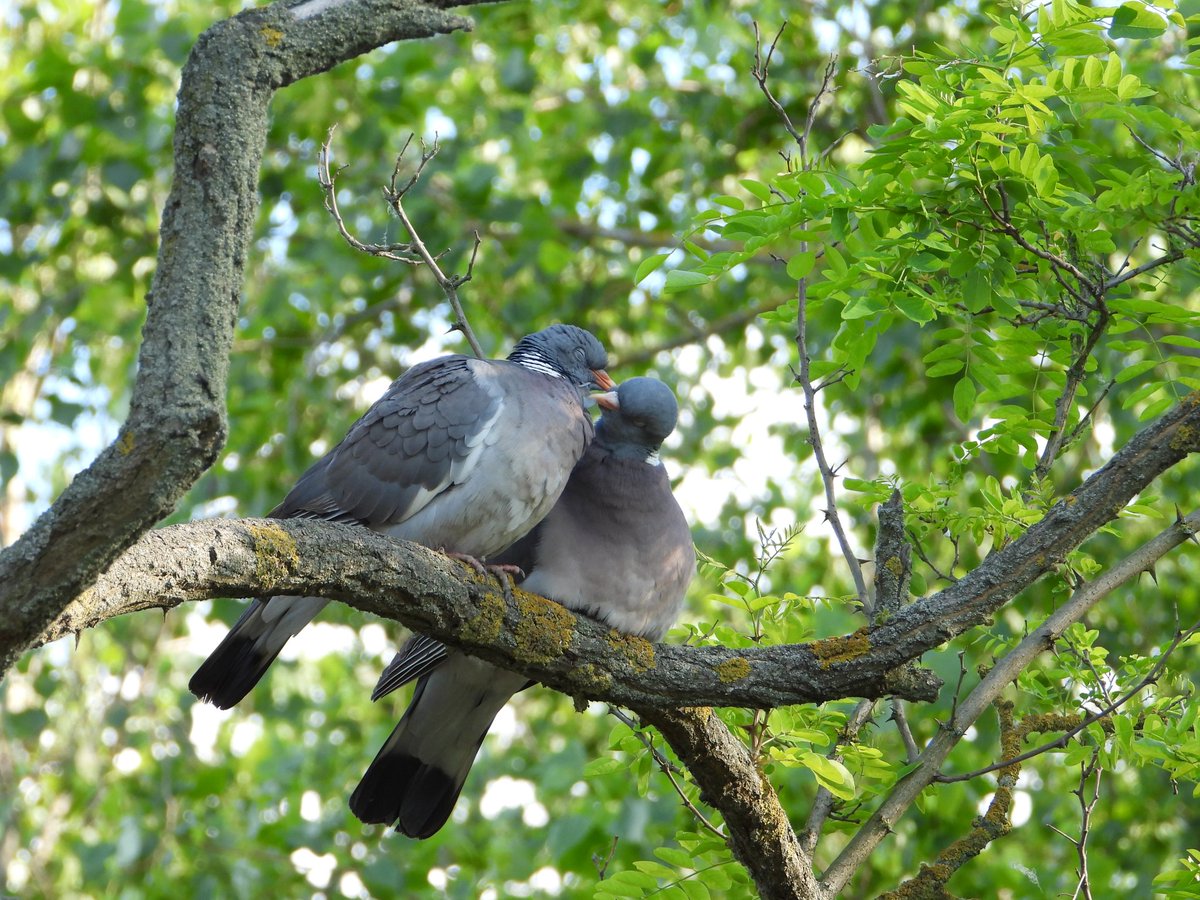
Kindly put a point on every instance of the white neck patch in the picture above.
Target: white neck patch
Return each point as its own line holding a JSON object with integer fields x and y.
{"x": 534, "y": 361}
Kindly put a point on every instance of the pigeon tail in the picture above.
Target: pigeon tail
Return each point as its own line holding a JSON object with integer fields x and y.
{"x": 415, "y": 779}
{"x": 399, "y": 789}
{"x": 243, "y": 657}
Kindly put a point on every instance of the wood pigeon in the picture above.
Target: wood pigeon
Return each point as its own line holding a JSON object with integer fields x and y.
{"x": 460, "y": 454}
{"x": 616, "y": 547}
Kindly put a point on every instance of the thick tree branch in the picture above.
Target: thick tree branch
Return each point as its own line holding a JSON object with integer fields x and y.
{"x": 372, "y": 572}
{"x": 176, "y": 423}
{"x": 427, "y": 592}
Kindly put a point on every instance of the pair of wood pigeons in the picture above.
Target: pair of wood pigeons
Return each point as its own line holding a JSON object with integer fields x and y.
{"x": 494, "y": 460}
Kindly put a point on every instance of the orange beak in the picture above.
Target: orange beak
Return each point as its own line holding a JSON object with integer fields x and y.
{"x": 603, "y": 380}
{"x": 607, "y": 400}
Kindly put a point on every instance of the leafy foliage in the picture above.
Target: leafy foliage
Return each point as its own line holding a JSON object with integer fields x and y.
{"x": 991, "y": 240}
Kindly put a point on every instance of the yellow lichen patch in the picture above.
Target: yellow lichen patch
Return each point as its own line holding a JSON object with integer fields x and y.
{"x": 275, "y": 553}
{"x": 596, "y": 678}
{"x": 1186, "y": 439}
{"x": 733, "y": 669}
{"x": 544, "y": 629}
{"x": 126, "y": 443}
{"x": 636, "y": 651}
{"x": 485, "y": 627}
{"x": 841, "y": 649}
{"x": 895, "y": 566}
{"x": 273, "y": 36}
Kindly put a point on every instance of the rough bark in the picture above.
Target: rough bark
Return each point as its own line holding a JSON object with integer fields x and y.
{"x": 176, "y": 424}
{"x": 429, "y": 593}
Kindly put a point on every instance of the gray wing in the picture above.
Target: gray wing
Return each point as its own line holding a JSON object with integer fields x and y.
{"x": 419, "y": 656}
{"x": 406, "y": 449}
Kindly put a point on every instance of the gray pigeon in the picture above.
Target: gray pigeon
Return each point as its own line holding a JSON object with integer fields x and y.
{"x": 461, "y": 454}
{"x": 615, "y": 547}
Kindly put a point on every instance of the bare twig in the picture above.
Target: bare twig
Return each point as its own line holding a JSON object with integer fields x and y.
{"x": 814, "y": 440}
{"x": 760, "y": 71}
{"x": 1164, "y": 260}
{"x": 1087, "y": 417}
{"x": 1090, "y": 769}
{"x": 666, "y": 767}
{"x": 602, "y": 862}
{"x": 414, "y": 252}
{"x": 911, "y": 750}
{"x": 449, "y": 285}
{"x": 327, "y": 178}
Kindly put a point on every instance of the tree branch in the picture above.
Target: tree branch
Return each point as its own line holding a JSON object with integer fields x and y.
{"x": 968, "y": 602}
{"x": 177, "y": 420}
{"x": 989, "y": 689}
{"x": 427, "y": 592}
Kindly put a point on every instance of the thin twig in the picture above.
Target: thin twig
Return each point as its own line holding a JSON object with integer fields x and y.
{"x": 327, "y": 178}
{"x": 666, "y": 767}
{"x": 1066, "y": 400}
{"x": 823, "y": 802}
{"x": 413, "y": 253}
{"x": 1083, "y": 423}
{"x": 1107, "y": 710}
{"x": 810, "y": 120}
{"x": 760, "y": 71}
{"x": 602, "y": 862}
{"x": 1005, "y": 226}
{"x": 911, "y": 750}
{"x": 1165, "y": 259}
{"x": 449, "y": 285}
{"x": 1086, "y": 771}
{"x": 814, "y": 440}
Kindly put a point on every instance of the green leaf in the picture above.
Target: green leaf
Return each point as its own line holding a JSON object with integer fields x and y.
{"x": 977, "y": 289}
{"x": 945, "y": 367}
{"x": 1134, "y": 20}
{"x": 830, "y": 774}
{"x": 964, "y": 399}
{"x": 683, "y": 279}
{"x": 914, "y": 307}
{"x": 758, "y": 189}
{"x": 603, "y": 766}
{"x": 648, "y": 265}
{"x": 656, "y": 869}
{"x": 1138, "y": 368}
{"x": 801, "y": 264}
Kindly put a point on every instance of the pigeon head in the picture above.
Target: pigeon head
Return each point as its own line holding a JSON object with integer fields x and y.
{"x": 566, "y": 351}
{"x": 638, "y": 415}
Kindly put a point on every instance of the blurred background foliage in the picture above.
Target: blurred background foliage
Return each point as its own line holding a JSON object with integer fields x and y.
{"x": 578, "y": 138}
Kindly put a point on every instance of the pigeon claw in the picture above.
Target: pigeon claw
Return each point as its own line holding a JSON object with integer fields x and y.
{"x": 500, "y": 572}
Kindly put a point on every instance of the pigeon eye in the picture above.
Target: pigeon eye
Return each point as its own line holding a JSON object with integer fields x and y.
{"x": 580, "y": 353}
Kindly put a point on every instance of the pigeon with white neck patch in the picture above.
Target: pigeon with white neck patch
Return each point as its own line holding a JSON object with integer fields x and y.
{"x": 615, "y": 547}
